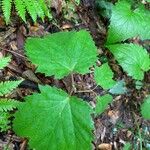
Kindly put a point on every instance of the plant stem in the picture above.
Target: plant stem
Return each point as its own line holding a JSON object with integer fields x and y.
{"x": 88, "y": 91}
{"x": 73, "y": 85}
{"x": 139, "y": 133}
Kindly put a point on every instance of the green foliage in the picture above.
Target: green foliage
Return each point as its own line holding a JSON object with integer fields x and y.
{"x": 138, "y": 85}
{"x": 126, "y": 23}
{"x": 7, "y": 86}
{"x": 127, "y": 146}
{"x": 104, "y": 7}
{"x": 7, "y": 104}
{"x": 77, "y": 2}
{"x": 118, "y": 88}
{"x": 103, "y": 76}
{"x": 134, "y": 59}
{"x": 20, "y": 7}
{"x": 57, "y": 119}
{"x": 6, "y": 6}
{"x": 62, "y": 53}
{"x": 145, "y": 108}
{"x": 33, "y": 7}
{"x": 4, "y": 62}
{"x": 63, "y": 120}
{"x": 4, "y": 121}
{"x": 102, "y": 103}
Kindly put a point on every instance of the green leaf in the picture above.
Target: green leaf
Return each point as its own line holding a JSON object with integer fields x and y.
{"x": 8, "y": 86}
{"x": 56, "y": 119}
{"x": 133, "y": 58}
{"x": 4, "y": 121}
{"x": 77, "y": 2}
{"x": 138, "y": 85}
{"x": 62, "y": 53}
{"x": 35, "y": 8}
{"x": 8, "y": 104}
{"x": 127, "y": 146}
{"x": 118, "y": 88}
{"x": 6, "y": 7}
{"x": 104, "y": 7}
{"x": 20, "y": 7}
{"x": 145, "y": 108}
{"x": 45, "y": 9}
{"x": 102, "y": 103}
{"x": 103, "y": 76}
{"x": 4, "y": 62}
{"x": 31, "y": 8}
{"x": 126, "y": 23}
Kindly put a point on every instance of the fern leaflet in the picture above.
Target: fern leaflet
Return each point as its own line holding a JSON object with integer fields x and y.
{"x": 4, "y": 62}
{"x": 8, "y": 104}
{"x": 6, "y": 87}
{"x": 6, "y": 6}
{"x": 36, "y": 8}
{"x": 20, "y": 7}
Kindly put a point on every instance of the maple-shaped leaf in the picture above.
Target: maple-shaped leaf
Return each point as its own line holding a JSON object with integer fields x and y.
{"x": 102, "y": 103}
{"x": 62, "y": 53}
{"x": 145, "y": 108}
{"x": 54, "y": 120}
{"x": 133, "y": 58}
{"x": 103, "y": 76}
{"x": 126, "y": 23}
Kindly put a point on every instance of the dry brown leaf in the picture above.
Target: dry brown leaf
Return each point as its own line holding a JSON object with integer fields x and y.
{"x": 67, "y": 26}
{"x": 114, "y": 115}
{"x": 13, "y": 46}
{"x": 31, "y": 76}
{"x": 105, "y": 146}
{"x": 4, "y": 35}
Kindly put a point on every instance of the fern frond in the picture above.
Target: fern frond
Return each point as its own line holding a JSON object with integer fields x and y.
{"x": 6, "y": 7}
{"x": 7, "y": 86}
{"x": 8, "y": 104}
{"x": 39, "y": 9}
{"x": 35, "y": 8}
{"x": 45, "y": 8}
{"x": 20, "y": 7}
{"x": 4, "y": 62}
{"x": 31, "y": 8}
{"x": 4, "y": 121}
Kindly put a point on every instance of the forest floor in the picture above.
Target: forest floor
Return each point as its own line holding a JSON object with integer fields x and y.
{"x": 120, "y": 123}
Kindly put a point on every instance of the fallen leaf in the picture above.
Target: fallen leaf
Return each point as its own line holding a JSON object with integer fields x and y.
{"x": 105, "y": 146}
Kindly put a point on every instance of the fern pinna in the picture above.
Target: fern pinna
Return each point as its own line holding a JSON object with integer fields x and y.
{"x": 36, "y": 8}
{"x": 6, "y": 104}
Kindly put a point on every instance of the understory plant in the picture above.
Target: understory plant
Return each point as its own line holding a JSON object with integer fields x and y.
{"x": 35, "y": 8}
{"x": 6, "y": 104}
{"x": 127, "y": 23}
{"x": 54, "y": 119}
